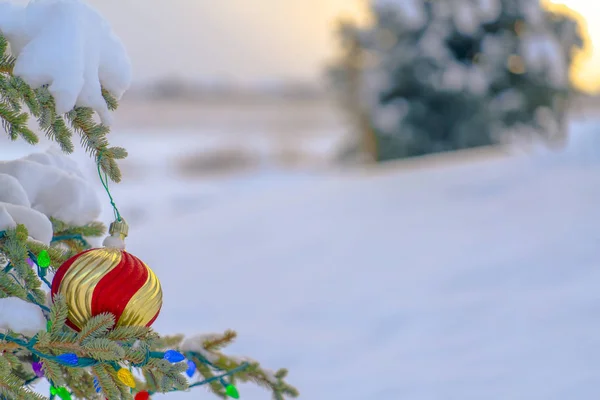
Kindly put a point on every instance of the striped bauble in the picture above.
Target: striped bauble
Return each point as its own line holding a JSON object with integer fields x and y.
{"x": 108, "y": 280}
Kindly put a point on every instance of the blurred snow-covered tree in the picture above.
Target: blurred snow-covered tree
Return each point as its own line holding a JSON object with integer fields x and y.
{"x": 430, "y": 76}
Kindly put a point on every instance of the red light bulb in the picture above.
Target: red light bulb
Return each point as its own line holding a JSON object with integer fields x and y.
{"x": 142, "y": 396}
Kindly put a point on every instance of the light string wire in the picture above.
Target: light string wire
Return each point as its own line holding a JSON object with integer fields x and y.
{"x": 77, "y": 237}
{"x": 86, "y": 362}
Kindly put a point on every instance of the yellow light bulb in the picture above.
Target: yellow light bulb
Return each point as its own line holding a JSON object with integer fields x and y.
{"x": 126, "y": 377}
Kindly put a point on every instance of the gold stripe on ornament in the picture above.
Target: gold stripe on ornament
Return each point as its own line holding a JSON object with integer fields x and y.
{"x": 81, "y": 279}
{"x": 144, "y": 304}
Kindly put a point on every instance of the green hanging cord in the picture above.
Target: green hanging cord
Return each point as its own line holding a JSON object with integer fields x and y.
{"x": 105, "y": 184}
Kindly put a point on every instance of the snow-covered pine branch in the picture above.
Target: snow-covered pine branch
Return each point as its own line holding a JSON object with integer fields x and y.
{"x": 43, "y": 186}
{"x": 68, "y": 46}
{"x": 64, "y": 63}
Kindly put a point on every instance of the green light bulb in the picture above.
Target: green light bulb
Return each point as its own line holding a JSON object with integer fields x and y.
{"x": 63, "y": 393}
{"x": 53, "y": 390}
{"x": 49, "y": 326}
{"x": 43, "y": 259}
{"x": 232, "y": 392}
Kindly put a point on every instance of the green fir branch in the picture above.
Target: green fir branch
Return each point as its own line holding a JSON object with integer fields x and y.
{"x": 97, "y": 327}
{"x": 107, "y": 381}
{"x": 93, "y": 229}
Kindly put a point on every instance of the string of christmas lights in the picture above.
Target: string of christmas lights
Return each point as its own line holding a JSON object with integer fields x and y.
{"x": 123, "y": 374}
{"x": 42, "y": 263}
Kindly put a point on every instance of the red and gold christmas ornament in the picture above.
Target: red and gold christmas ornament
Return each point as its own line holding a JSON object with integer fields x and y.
{"x": 109, "y": 280}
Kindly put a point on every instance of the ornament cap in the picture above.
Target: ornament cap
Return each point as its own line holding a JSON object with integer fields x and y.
{"x": 119, "y": 228}
{"x": 118, "y": 231}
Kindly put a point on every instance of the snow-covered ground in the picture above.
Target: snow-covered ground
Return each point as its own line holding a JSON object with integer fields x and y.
{"x": 478, "y": 279}
{"x": 474, "y": 281}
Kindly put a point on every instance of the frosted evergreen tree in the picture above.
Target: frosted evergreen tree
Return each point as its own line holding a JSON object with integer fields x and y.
{"x": 62, "y": 67}
{"x": 430, "y": 76}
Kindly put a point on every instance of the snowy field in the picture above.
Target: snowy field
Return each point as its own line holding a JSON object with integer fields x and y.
{"x": 478, "y": 279}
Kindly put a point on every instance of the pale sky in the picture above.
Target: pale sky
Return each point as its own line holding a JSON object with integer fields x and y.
{"x": 253, "y": 40}
{"x": 246, "y": 40}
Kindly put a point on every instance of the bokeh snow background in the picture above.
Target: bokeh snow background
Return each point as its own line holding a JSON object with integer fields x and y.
{"x": 471, "y": 279}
